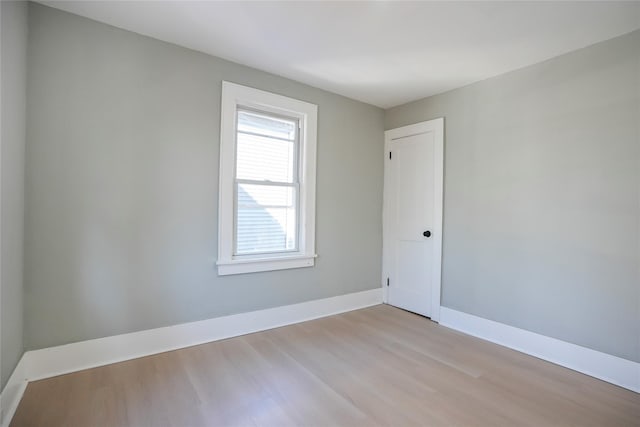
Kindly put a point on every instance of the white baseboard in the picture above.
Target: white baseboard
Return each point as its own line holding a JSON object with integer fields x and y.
{"x": 53, "y": 361}
{"x": 12, "y": 393}
{"x": 615, "y": 370}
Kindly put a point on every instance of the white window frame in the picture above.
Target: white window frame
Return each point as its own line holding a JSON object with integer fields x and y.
{"x": 233, "y": 97}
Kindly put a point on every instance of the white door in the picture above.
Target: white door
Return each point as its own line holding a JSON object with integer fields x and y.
{"x": 413, "y": 217}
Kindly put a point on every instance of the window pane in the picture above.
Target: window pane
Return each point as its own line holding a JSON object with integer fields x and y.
{"x": 262, "y": 124}
{"x": 266, "y": 219}
{"x": 263, "y": 158}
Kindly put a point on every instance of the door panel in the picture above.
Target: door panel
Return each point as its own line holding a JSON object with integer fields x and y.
{"x": 411, "y": 288}
{"x": 412, "y": 165}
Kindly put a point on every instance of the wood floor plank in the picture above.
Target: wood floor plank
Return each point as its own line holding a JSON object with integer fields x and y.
{"x": 376, "y": 366}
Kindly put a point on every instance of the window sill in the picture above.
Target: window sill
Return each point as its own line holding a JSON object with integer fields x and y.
{"x": 254, "y": 265}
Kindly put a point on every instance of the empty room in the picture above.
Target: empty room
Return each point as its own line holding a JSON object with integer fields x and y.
{"x": 319, "y": 213}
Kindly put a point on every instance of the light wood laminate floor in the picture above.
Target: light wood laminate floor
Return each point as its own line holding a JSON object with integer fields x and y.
{"x": 376, "y": 366}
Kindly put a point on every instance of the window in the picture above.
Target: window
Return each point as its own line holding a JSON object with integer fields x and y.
{"x": 267, "y": 181}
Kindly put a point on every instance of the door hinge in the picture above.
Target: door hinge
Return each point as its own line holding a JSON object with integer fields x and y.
{"x": 387, "y": 281}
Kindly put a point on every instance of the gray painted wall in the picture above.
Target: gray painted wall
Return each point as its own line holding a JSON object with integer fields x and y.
{"x": 14, "y": 70}
{"x": 122, "y": 177}
{"x": 542, "y": 196}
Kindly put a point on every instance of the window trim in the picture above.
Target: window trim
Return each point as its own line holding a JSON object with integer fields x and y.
{"x": 236, "y": 96}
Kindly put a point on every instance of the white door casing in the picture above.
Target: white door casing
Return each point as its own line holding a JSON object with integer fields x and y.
{"x": 413, "y": 198}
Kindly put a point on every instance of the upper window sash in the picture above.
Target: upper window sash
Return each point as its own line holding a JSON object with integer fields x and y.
{"x": 293, "y": 137}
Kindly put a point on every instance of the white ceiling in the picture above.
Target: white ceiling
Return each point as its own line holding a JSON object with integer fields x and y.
{"x": 383, "y": 53}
